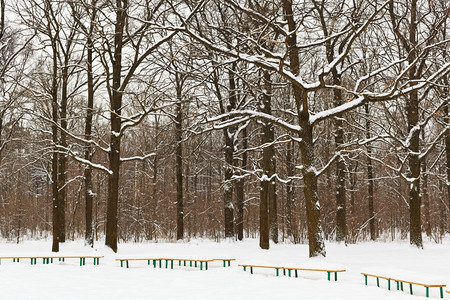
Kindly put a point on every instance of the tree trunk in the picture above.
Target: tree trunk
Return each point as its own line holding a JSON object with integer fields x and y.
{"x": 55, "y": 198}
{"x": 88, "y": 190}
{"x": 412, "y": 113}
{"x": 179, "y": 164}
{"x": 268, "y": 184}
{"x": 315, "y": 233}
{"x": 370, "y": 179}
{"x": 289, "y": 190}
{"x": 115, "y": 126}
{"x": 229, "y": 153}
{"x": 240, "y": 190}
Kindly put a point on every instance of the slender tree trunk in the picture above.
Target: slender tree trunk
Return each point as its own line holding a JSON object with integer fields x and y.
{"x": 88, "y": 189}
{"x": 341, "y": 218}
{"x": 240, "y": 190}
{"x": 55, "y": 197}
{"x": 370, "y": 179}
{"x": 179, "y": 164}
{"x": 62, "y": 158}
{"x": 229, "y": 153}
{"x": 289, "y": 190}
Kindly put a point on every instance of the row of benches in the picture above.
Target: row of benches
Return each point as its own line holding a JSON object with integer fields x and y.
{"x": 287, "y": 271}
{"x": 49, "y": 259}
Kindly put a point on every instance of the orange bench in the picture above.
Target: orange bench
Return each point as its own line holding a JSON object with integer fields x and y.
{"x": 192, "y": 262}
{"x": 400, "y": 283}
{"x": 49, "y": 259}
{"x": 290, "y": 269}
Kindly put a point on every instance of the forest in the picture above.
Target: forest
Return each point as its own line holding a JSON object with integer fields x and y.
{"x": 293, "y": 121}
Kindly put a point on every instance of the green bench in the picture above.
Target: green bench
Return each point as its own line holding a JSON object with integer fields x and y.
{"x": 49, "y": 259}
{"x": 289, "y": 270}
{"x": 400, "y": 282}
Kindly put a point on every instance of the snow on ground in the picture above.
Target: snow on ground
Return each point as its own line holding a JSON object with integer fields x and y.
{"x": 67, "y": 280}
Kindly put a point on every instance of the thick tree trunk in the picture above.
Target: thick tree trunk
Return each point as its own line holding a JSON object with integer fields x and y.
{"x": 115, "y": 126}
{"x": 412, "y": 113}
{"x": 268, "y": 184}
{"x": 315, "y": 233}
{"x": 370, "y": 179}
{"x": 179, "y": 165}
{"x": 228, "y": 186}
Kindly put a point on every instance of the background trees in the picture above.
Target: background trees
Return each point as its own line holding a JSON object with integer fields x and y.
{"x": 273, "y": 120}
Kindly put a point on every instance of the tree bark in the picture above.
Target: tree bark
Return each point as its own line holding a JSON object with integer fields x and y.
{"x": 179, "y": 163}
{"x": 268, "y": 184}
{"x": 370, "y": 179}
{"x": 88, "y": 188}
{"x": 315, "y": 233}
{"x": 240, "y": 190}
{"x": 115, "y": 126}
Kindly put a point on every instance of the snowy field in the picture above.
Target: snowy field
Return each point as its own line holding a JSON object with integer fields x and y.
{"x": 67, "y": 280}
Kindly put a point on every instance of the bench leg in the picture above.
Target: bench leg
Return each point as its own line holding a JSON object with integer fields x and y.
{"x": 195, "y": 264}
{"x": 365, "y": 279}
{"x": 127, "y": 264}
{"x": 284, "y": 272}
{"x": 296, "y": 273}
{"x": 121, "y": 263}
{"x": 229, "y": 263}
{"x": 184, "y": 263}
{"x": 224, "y": 264}
{"x": 154, "y": 263}
{"x": 289, "y": 272}
{"x": 201, "y": 265}
{"x": 427, "y": 289}
{"x": 167, "y": 263}
{"x": 335, "y": 276}
{"x": 442, "y": 292}
{"x": 410, "y": 288}
{"x": 378, "y": 282}
{"x": 401, "y": 285}
{"x": 206, "y": 266}
{"x": 251, "y": 270}
{"x": 389, "y": 284}
{"x": 171, "y": 264}
{"x": 329, "y": 275}
{"x": 397, "y": 285}
{"x": 160, "y": 263}
{"x": 277, "y": 272}
{"x": 245, "y": 268}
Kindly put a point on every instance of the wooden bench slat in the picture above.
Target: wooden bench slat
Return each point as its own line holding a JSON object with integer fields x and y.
{"x": 404, "y": 281}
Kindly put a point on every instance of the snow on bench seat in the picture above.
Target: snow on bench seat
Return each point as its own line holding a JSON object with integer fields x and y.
{"x": 49, "y": 258}
{"x": 293, "y": 269}
{"x": 191, "y": 261}
{"x": 401, "y": 277}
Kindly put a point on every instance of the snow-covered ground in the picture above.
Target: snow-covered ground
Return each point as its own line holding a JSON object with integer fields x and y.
{"x": 109, "y": 281}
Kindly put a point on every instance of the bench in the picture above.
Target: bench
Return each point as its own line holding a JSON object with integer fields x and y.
{"x": 49, "y": 259}
{"x": 295, "y": 270}
{"x": 159, "y": 261}
{"x": 225, "y": 261}
{"x": 400, "y": 283}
